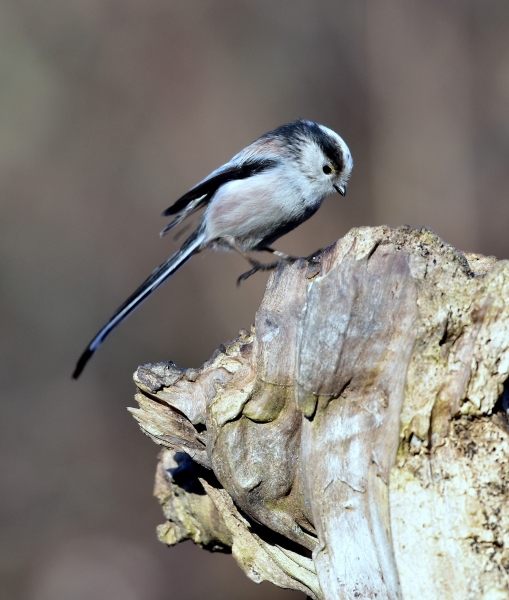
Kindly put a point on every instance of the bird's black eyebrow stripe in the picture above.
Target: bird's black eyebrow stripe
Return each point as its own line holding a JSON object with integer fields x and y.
{"x": 330, "y": 149}
{"x": 307, "y": 129}
{"x": 211, "y": 185}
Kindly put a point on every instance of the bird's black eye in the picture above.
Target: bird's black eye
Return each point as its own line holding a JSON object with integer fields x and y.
{"x": 327, "y": 169}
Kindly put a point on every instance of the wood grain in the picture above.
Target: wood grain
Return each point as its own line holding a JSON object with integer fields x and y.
{"x": 355, "y": 442}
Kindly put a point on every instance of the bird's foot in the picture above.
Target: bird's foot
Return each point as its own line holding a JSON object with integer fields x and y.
{"x": 286, "y": 259}
{"x": 257, "y": 266}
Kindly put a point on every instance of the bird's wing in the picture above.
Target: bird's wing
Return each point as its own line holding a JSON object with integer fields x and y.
{"x": 201, "y": 193}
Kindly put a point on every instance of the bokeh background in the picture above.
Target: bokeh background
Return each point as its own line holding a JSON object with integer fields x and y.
{"x": 111, "y": 109}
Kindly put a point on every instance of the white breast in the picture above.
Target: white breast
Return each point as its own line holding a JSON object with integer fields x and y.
{"x": 256, "y": 206}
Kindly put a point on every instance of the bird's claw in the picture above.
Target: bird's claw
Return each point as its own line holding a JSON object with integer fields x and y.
{"x": 257, "y": 266}
{"x": 246, "y": 275}
{"x": 260, "y": 267}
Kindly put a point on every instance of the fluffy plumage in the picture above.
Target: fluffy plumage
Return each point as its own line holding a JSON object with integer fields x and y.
{"x": 265, "y": 191}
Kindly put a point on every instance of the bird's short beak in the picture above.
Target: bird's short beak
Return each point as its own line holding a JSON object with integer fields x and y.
{"x": 340, "y": 189}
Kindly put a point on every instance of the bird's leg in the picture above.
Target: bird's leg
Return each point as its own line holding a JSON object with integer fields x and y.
{"x": 285, "y": 259}
{"x": 260, "y": 267}
{"x": 289, "y": 259}
{"x": 233, "y": 245}
{"x": 257, "y": 266}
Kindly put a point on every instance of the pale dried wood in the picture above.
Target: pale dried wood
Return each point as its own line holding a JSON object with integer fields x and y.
{"x": 355, "y": 443}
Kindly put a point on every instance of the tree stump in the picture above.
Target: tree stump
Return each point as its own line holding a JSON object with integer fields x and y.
{"x": 355, "y": 443}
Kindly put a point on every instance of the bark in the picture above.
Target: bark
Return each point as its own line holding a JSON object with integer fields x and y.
{"x": 355, "y": 442}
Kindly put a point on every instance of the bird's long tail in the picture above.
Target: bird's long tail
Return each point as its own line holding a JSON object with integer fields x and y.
{"x": 160, "y": 275}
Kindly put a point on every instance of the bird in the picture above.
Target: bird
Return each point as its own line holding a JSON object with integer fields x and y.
{"x": 276, "y": 183}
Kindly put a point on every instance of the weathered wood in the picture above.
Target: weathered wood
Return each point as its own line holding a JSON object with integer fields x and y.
{"x": 355, "y": 443}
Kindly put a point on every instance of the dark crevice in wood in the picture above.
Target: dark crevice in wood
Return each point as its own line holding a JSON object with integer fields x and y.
{"x": 373, "y": 250}
{"x": 275, "y": 539}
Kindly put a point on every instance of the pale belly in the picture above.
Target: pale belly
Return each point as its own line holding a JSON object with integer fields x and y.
{"x": 258, "y": 209}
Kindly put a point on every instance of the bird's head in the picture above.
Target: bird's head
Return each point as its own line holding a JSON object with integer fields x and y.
{"x": 319, "y": 154}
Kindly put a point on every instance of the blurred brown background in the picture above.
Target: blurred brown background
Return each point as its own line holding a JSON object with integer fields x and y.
{"x": 111, "y": 109}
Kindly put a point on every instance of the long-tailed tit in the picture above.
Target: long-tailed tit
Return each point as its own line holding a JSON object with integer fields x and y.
{"x": 265, "y": 191}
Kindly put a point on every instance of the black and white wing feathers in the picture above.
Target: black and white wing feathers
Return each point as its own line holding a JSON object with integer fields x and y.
{"x": 202, "y": 193}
